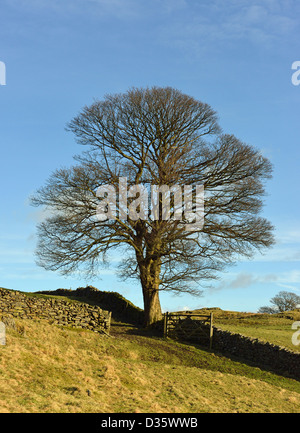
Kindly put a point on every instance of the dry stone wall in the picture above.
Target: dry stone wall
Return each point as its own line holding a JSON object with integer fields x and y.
{"x": 122, "y": 309}
{"x": 57, "y": 311}
{"x": 260, "y": 353}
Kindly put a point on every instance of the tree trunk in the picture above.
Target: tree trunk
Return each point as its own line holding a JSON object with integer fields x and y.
{"x": 152, "y": 308}
{"x": 149, "y": 272}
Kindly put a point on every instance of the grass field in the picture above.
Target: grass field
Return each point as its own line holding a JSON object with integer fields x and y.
{"x": 275, "y": 328}
{"x": 44, "y": 368}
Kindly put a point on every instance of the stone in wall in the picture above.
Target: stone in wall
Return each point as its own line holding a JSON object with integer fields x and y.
{"x": 264, "y": 354}
{"x": 57, "y": 311}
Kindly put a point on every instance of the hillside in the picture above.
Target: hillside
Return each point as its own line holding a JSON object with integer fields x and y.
{"x": 45, "y": 368}
{"x": 50, "y": 368}
{"x": 273, "y": 328}
{"x": 122, "y": 309}
{"x": 276, "y": 329}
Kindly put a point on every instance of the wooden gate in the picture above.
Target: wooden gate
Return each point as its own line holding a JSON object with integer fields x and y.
{"x": 191, "y": 327}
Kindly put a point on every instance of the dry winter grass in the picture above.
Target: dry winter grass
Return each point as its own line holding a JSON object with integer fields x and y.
{"x": 44, "y": 368}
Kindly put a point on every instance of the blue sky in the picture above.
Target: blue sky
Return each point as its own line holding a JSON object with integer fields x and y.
{"x": 235, "y": 55}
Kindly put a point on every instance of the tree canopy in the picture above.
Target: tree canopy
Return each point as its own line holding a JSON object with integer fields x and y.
{"x": 162, "y": 137}
{"x": 283, "y": 301}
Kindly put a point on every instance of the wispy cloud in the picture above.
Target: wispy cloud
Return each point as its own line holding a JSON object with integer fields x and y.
{"x": 284, "y": 253}
{"x": 242, "y": 280}
{"x": 286, "y": 248}
{"x": 218, "y": 23}
{"x": 288, "y": 287}
{"x": 16, "y": 256}
{"x": 290, "y": 234}
{"x": 122, "y": 9}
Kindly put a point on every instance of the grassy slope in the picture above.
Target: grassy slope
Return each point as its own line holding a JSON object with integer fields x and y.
{"x": 51, "y": 369}
{"x": 276, "y": 328}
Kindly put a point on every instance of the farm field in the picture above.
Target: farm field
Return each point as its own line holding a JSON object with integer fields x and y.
{"x": 274, "y": 328}
{"x": 45, "y": 368}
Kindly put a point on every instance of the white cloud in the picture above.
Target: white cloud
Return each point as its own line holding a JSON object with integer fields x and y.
{"x": 286, "y": 248}
{"x": 242, "y": 280}
{"x": 288, "y": 287}
{"x": 123, "y": 9}
{"x": 278, "y": 254}
{"x": 263, "y": 23}
{"x": 292, "y": 276}
{"x": 289, "y": 235}
{"x": 15, "y": 256}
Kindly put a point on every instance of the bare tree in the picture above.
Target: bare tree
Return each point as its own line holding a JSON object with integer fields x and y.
{"x": 156, "y": 136}
{"x": 283, "y": 301}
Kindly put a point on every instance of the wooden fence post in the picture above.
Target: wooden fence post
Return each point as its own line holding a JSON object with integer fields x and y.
{"x": 211, "y": 330}
{"x": 166, "y": 324}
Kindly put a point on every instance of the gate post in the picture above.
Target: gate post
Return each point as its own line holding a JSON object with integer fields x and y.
{"x": 166, "y": 324}
{"x": 211, "y": 330}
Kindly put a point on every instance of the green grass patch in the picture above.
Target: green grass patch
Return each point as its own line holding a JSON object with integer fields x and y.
{"x": 273, "y": 328}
